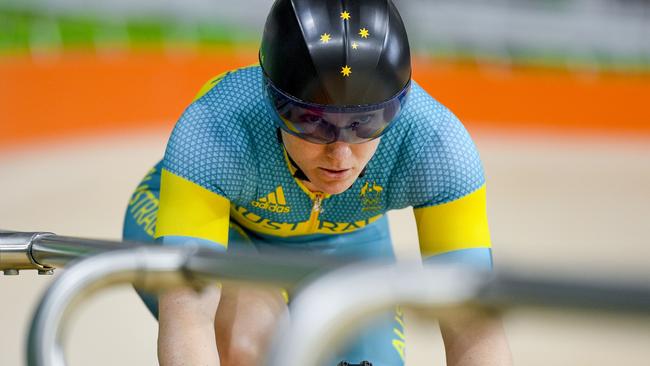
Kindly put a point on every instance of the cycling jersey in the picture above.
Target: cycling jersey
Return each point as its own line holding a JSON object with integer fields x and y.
{"x": 223, "y": 161}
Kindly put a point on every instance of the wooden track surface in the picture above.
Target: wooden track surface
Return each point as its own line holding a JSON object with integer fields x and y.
{"x": 554, "y": 205}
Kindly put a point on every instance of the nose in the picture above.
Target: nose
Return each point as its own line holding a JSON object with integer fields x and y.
{"x": 338, "y": 151}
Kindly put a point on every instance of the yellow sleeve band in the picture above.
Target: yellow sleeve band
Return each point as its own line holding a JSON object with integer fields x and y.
{"x": 187, "y": 209}
{"x": 460, "y": 224}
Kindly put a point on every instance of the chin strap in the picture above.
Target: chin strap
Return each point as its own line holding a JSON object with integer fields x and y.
{"x": 299, "y": 174}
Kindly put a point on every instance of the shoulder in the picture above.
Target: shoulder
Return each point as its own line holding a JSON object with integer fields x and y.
{"x": 439, "y": 160}
{"x": 233, "y": 83}
{"x": 426, "y": 118}
{"x": 210, "y": 143}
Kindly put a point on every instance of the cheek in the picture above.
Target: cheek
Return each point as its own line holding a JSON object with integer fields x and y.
{"x": 364, "y": 152}
{"x": 301, "y": 151}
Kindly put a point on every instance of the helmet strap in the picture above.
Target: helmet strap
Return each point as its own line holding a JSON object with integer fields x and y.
{"x": 298, "y": 174}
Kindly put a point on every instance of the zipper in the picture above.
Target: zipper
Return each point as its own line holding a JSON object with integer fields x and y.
{"x": 316, "y": 209}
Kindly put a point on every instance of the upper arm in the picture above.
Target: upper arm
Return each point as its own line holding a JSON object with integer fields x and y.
{"x": 449, "y": 191}
{"x": 206, "y": 163}
{"x": 456, "y": 231}
{"x": 188, "y": 210}
{"x": 460, "y": 224}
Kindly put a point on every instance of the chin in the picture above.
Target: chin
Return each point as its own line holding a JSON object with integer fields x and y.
{"x": 336, "y": 187}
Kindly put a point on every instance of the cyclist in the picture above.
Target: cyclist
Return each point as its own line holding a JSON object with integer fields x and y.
{"x": 307, "y": 152}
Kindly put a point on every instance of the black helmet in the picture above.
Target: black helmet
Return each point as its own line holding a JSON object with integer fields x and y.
{"x": 335, "y": 69}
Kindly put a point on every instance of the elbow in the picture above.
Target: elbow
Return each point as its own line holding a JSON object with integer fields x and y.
{"x": 474, "y": 258}
{"x": 186, "y": 305}
{"x": 241, "y": 350}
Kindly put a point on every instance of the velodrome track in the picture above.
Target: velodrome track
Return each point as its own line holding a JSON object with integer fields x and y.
{"x": 559, "y": 200}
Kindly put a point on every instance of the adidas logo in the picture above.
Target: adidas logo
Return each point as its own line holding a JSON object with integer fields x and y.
{"x": 273, "y": 202}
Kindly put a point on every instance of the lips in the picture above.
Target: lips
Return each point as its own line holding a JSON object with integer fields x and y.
{"x": 334, "y": 173}
{"x": 335, "y": 170}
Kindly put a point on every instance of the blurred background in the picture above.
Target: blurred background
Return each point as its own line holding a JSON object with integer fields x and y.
{"x": 554, "y": 92}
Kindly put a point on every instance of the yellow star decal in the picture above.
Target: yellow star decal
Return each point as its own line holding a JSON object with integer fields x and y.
{"x": 355, "y": 45}
{"x": 346, "y": 70}
{"x": 363, "y": 32}
{"x": 325, "y": 38}
{"x": 345, "y": 15}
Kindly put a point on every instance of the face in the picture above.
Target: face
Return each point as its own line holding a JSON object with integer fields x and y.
{"x": 331, "y": 168}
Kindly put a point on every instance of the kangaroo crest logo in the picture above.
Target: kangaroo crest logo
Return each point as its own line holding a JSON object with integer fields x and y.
{"x": 371, "y": 196}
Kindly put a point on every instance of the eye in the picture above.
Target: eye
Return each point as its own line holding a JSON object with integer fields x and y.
{"x": 362, "y": 120}
{"x": 314, "y": 119}
{"x": 311, "y": 118}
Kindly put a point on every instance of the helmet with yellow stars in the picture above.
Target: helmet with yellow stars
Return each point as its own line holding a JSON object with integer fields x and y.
{"x": 335, "y": 70}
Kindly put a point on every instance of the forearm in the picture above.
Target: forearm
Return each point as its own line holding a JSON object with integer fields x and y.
{"x": 473, "y": 339}
{"x": 186, "y": 328}
{"x": 245, "y": 322}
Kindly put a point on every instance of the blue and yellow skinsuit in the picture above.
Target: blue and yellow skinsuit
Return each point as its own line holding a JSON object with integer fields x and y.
{"x": 227, "y": 181}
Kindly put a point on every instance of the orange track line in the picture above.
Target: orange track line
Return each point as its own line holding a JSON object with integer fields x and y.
{"x": 78, "y": 94}
{"x": 529, "y": 99}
